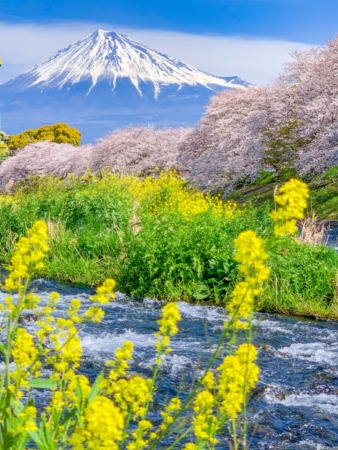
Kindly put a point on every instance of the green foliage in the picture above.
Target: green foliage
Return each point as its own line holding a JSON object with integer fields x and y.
{"x": 287, "y": 173}
{"x": 60, "y": 133}
{"x": 3, "y": 151}
{"x": 106, "y": 227}
{"x": 331, "y": 174}
{"x": 281, "y": 146}
{"x": 265, "y": 177}
{"x": 302, "y": 279}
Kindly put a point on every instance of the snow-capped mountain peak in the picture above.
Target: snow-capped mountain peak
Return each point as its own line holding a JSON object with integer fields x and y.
{"x": 109, "y": 56}
{"x": 107, "y": 81}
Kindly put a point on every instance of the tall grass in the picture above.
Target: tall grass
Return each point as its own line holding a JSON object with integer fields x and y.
{"x": 159, "y": 237}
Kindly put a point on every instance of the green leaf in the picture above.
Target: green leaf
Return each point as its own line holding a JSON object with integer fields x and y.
{"x": 17, "y": 406}
{"x": 44, "y": 383}
{"x": 24, "y": 442}
{"x": 38, "y": 439}
{"x": 79, "y": 393}
{"x": 68, "y": 416}
{"x": 95, "y": 388}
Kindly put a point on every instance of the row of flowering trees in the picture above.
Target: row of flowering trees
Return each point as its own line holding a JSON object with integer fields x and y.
{"x": 139, "y": 150}
{"x": 292, "y": 124}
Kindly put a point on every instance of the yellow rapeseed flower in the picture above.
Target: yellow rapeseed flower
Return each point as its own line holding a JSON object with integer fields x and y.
{"x": 167, "y": 416}
{"x": 94, "y": 314}
{"x": 132, "y": 395}
{"x": 104, "y": 293}
{"x": 238, "y": 374}
{"x": 67, "y": 346}
{"x": 120, "y": 365}
{"x": 209, "y": 380}
{"x": 292, "y": 199}
{"x": 204, "y": 421}
{"x": 28, "y": 255}
{"x": 28, "y": 420}
{"x": 24, "y": 352}
{"x": 169, "y": 193}
{"x": 251, "y": 256}
{"x": 102, "y": 427}
{"x": 168, "y": 327}
{"x": 140, "y": 442}
{"x": 75, "y": 381}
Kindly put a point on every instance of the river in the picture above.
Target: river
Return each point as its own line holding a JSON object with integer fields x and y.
{"x": 332, "y": 234}
{"x": 295, "y": 405}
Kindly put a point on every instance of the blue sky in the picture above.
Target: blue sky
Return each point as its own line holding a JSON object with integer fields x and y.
{"x": 251, "y": 37}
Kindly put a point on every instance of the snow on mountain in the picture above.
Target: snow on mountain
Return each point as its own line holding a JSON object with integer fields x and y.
{"x": 107, "y": 81}
{"x": 106, "y": 55}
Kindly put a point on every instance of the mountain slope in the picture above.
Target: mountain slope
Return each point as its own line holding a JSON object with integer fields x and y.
{"x": 106, "y": 81}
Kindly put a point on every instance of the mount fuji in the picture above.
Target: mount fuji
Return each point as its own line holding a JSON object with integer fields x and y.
{"x": 107, "y": 81}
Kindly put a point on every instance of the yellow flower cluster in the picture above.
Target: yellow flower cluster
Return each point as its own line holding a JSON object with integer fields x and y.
{"x": 76, "y": 382}
{"x": 204, "y": 423}
{"x": 24, "y": 352}
{"x": 292, "y": 199}
{"x": 167, "y": 328}
{"x": 7, "y": 198}
{"x": 140, "y": 442}
{"x": 27, "y": 420}
{"x": 94, "y": 314}
{"x": 28, "y": 256}
{"x": 190, "y": 446}
{"x": 120, "y": 365}
{"x": 224, "y": 395}
{"x": 26, "y": 358}
{"x": 238, "y": 374}
{"x": 104, "y": 293}
{"x": 67, "y": 348}
{"x": 209, "y": 380}
{"x": 62, "y": 347}
{"x": 102, "y": 426}
{"x": 251, "y": 256}
{"x": 47, "y": 320}
{"x": 168, "y": 416}
{"x": 132, "y": 395}
{"x": 169, "y": 193}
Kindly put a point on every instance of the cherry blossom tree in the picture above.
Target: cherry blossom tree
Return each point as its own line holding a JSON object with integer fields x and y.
{"x": 138, "y": 150}
{"x": 226, "y": 146}
{"x": 313, "y": 79}
{"x": 292, "y": 124}
{"x": 44, "y": 158}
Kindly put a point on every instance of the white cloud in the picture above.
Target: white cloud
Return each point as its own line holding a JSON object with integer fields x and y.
{"x": 255, "y": 59}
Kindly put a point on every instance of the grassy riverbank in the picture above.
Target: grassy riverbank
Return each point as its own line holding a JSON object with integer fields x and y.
{"x": 323, "y": 188}
{"x": 159, "y": 238}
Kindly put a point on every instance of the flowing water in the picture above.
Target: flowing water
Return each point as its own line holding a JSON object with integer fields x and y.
{"x": 295, "y": 405}
{"x": 332, "y": 234}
